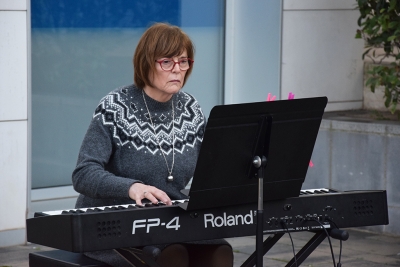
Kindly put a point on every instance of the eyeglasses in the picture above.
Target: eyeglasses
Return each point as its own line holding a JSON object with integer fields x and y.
{"x": 168, "y": 64}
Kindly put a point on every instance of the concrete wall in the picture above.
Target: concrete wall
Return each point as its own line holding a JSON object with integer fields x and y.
{"x": 320, "y": 56}
{"x": 13, "y": 120}
{"x": 354, "y": 154}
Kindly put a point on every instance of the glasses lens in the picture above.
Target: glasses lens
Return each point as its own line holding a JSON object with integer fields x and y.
{"x": 184, "y": 64}
{"x": 167, "y": 64}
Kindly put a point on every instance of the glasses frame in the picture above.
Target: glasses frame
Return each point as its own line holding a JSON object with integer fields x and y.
{"x": 176, "y": 62}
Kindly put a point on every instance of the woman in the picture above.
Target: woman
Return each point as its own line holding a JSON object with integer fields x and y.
{"x": 143, "y": 143}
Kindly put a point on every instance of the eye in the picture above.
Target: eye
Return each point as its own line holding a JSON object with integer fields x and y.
{"x": 184, "y": 61}
{"x": 166, "y": 61}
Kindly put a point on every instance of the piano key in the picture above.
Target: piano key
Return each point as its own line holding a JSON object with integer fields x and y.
{"x": 135, "y": 206}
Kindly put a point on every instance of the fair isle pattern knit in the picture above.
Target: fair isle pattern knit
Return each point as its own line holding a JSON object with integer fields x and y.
{"x": 120, "y": 148}
{"x": 123, "y": 111}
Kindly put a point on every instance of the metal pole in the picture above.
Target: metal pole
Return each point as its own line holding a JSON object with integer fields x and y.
{"x": 260, "y": 164}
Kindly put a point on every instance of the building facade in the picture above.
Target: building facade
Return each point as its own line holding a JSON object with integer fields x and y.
{"x": 243, "y": 52}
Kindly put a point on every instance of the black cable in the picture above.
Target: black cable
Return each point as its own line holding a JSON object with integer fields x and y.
{"x": 329, "y": 239}
{"x": 287, "y": 230}
{"x": 339, "y": 264}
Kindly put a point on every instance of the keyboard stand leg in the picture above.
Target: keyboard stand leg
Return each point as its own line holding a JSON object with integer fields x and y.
{"x": 308, "y": 248}
{"x": 267, "y": 245}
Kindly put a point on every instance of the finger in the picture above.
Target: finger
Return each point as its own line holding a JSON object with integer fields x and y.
{"x": 163, "y": 197}
{"x": 139, "y": 202}
{"x": 150, "y": 196}
{"x": 156, "y": 197}
{"x": 142, "y": 196}
{"x": 159, "y": 195}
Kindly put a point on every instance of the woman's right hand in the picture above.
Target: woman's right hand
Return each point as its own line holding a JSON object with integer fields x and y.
{"x": 139, "y": 191}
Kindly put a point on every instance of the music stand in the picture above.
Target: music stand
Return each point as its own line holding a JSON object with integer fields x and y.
{"x": 283, "y": 131}
{"x": 281, "y": 134}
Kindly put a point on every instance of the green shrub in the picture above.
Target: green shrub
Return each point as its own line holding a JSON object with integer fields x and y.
{"x": 380, "y": 28}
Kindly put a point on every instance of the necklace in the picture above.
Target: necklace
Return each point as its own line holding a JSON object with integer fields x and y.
{"x": 170, "y": 178}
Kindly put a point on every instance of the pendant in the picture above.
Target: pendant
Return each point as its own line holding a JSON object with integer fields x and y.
{"x": 170, "y": 178}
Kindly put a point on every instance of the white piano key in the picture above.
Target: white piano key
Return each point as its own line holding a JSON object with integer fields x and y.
{"x": 59, "y": 212}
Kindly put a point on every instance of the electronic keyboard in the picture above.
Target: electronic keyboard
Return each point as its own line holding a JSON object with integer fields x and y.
{"x": 100, "y": 228}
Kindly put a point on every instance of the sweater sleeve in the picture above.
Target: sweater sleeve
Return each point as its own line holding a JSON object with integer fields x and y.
{"x": 90, "y": 176}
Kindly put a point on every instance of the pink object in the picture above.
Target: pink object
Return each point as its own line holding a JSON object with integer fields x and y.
{"x": 269, "y": 98}
{"x": 291, "y": 96}
{"x": 311, "y": 164}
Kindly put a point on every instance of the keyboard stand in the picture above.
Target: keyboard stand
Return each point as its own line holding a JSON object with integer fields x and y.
{"x": 301, "y": 256}
{"x": 267, "y": 245}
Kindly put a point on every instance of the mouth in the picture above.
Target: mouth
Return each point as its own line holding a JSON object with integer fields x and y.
{"x": 175, "y": 81}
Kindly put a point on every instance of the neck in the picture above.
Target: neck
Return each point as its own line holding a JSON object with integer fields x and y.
{"x": 156, "y": 94}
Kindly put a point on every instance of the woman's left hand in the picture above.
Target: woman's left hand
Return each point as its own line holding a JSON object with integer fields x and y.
{"x": 139, "y": 191}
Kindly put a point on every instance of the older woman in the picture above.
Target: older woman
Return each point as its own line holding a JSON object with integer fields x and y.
{"x": 143, "y": 143}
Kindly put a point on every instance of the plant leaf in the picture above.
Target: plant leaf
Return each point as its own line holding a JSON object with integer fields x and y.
{"x": 388, "y": 100}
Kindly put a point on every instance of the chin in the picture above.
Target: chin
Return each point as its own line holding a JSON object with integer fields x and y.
{"x": 174, "y": 90}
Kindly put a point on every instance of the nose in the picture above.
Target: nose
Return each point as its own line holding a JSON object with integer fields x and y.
{"x": 176, "y": 67}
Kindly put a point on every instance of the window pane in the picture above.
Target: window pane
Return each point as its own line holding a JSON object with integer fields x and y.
{"x": 83, "y": 49}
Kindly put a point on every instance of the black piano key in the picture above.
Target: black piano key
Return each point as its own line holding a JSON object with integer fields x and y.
{"x": 130, "y": 207}
{"x": 40, "y": 214}
{"x": 72, "y": 211}
{"x": 110, "y": 208}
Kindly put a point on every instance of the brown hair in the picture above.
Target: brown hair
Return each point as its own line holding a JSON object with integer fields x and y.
{"x": 160, "y": 40}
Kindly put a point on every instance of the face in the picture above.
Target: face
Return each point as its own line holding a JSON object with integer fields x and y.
{"x": 166, "y": 83}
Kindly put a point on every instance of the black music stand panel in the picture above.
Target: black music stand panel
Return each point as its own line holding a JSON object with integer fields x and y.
{"x": 283, "y": 131}
{"x": 61, "y": 258}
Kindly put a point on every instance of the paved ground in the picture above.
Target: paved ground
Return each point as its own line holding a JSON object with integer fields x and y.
{"x": 361, "y": 249}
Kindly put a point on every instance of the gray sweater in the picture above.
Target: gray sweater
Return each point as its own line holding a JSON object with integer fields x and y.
{"x": 120, "y": 147}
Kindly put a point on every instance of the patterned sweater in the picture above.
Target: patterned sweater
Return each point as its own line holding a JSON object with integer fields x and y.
{"x": 120, "y": 147}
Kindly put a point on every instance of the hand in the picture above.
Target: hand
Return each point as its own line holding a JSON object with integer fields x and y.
{"x": 139, "y": 191}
